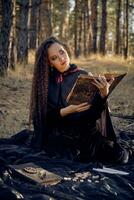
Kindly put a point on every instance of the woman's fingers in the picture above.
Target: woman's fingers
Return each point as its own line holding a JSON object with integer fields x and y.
{"x": 83, "y": 104}
{"x": 82, "y": 107}
{"x": 111, "y": 80}
{"x": 103, "y": 85}
{"x": 74, "y": 108}
{"x": 100, "y": 82}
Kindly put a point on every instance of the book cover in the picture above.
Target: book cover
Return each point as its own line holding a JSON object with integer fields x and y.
{"x": 36, "y": 174}
{"x": 84, "y": 90}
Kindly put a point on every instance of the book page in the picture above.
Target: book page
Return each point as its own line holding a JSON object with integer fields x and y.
{"x": 84, "y": 90}
{"x": 117, "y": 79}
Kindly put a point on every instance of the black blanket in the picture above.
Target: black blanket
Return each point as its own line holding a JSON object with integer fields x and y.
{"x": 78, "y": 180}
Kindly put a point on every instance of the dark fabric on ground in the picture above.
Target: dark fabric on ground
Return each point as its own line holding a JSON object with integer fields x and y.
{"x": 74, "y": 185}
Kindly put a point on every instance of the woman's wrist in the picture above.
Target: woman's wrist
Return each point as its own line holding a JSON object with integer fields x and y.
{"x": 102, "y": 95}
{"x": 64, "y": 112}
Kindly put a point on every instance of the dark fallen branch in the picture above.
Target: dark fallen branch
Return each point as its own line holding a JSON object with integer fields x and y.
{"x": 122, "y": 116}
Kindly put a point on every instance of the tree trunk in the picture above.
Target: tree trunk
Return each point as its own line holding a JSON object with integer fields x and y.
{"x": 45, "y": 26}
{"x": 33, "y": 25}
{"x": 94, "y": 14}
{"x": 75, "y": 29}
{"x": 103, "y": 27}
{"x": 12, "y": 45}
{"x": 126, "y": 6}
{"x": 78, "y": 28}
{"x": 86, "y": 25}
{"x": 79, "y": 48}
{"x": 63, "y": 21}
{"x": 5, "y": 34}
{"x": 22, "y": 44}
{"x": 118, "y": 34}
{"x": 0, "y": 14}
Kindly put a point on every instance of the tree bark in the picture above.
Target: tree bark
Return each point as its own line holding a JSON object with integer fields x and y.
{"x": 0, "y": 14}
{"x": 78, "y": 28}
{"x": 22, "y": 43}
{"x": 94, "y": 14}
{"x": 86, "y": 26}
{"x": 75, "y": 29}
{"x": 64, "y": 19}
{"x": 118, "y": 34}
{"x": 45, "y": 25}
{"x": 5, "y": 34}
{"x": 33, "y": 26}
{"x": 103, "y": 28}
{"x": 12, "y": 45}
{"x": 125, "y": 49}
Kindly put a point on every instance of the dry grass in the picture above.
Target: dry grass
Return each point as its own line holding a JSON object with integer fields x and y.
{"x": 15, "y": 91}
{"x": 98, "y": 64}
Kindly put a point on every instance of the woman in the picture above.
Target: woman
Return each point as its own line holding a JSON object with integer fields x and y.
{"x": 69, "y": 130}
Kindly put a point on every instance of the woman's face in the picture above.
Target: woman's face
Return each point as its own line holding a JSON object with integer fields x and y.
{"x": 58, "y": 57}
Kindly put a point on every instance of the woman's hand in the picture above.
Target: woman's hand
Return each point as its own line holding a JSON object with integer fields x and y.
{"x": 103, "y": 85}
{"x": 74, "y": 108}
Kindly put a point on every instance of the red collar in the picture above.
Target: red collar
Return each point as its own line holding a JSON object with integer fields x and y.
{"x": 59, "y": 78}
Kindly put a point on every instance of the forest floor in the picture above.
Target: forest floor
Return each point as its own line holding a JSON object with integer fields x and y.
{"x": 15, "y": 94}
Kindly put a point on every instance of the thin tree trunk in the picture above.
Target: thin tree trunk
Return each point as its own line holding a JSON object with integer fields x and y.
{"x": 75, "y": 28}
{"x": 125, "y": 52}
{"x": 0, "y": 14}
{"x": 79, "y": 46}
{"x": 103, "y": 27}
{"x": 62, "y": 28}
{"x": 45, "y": 25}
{"x": 118, "y": 34}
{"x": 5, "y": 34}
{"x": 78, "y": 28}
{"x": 12, "y": 45}
{"x": 86, "y": 25}
{"x": 94, "y": 14}
{"x": 22, "y": 45}
{"x": 84, "y": 28}
{"x": 33, "y": 26}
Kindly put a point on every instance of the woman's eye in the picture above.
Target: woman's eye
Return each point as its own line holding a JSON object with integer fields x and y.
{"x": 62, "y": 52}
{"x": 54, "y": 58}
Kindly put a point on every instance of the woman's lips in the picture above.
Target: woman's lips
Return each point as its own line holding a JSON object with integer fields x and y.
{"x": 63, "y": 63}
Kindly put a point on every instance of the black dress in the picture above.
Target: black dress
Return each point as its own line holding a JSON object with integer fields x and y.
{"x": 76, "y": 135}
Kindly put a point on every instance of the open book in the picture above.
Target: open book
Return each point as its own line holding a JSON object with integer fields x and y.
{"x": 84, "y": 90}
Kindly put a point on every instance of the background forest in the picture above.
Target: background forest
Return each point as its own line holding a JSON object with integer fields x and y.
{"x": 99, "y": 33}
{"x": 87, "y": 26}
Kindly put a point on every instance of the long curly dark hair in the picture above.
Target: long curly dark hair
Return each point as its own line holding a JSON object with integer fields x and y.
{"x": 39, "y": 92}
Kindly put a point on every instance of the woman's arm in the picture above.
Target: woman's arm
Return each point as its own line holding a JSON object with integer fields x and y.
{"x": 55, "y": 114}
{"x": 74, "y": 109}
{"x": 76, "y": 113}
{"x": 84, "y": 112}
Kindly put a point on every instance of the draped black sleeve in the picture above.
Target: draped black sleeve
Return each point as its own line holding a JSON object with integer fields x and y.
{"x": 92, "y": 114}
{"x": 53, "y": 114}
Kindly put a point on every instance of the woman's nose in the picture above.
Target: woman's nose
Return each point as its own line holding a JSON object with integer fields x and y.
{"x": 61, "y": 58}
